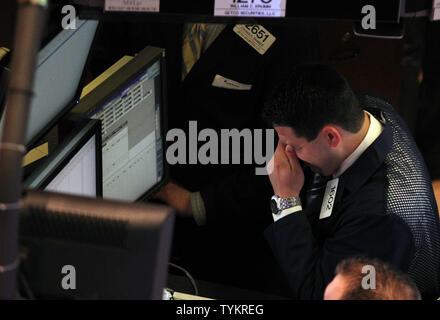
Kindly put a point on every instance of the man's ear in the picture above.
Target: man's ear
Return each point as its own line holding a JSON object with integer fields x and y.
{"x": 331, "y": 136}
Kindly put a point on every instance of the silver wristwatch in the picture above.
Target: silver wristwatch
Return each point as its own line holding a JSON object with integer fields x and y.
{"x": 278, "y": 204}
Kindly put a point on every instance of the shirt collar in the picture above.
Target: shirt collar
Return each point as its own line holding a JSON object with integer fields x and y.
{"x": 374, "y": 131}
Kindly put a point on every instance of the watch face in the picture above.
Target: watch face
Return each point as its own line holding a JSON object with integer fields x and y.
{"x": 273, "y": 206}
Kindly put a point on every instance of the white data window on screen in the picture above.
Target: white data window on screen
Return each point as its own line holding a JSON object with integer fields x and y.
{"x": 115, "y": 154}
{"x": 137, "y": 175}
{"x": 78, "y": 176}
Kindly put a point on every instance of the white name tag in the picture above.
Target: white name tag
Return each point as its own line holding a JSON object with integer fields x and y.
{"x": 329, "y": 198}
{"x": 250, "y": 8}
{"x": 435, "y": 14}
{"x": 222, "y": 82}
{"x": 132, "y": 5}
{"x": 256, "y": 36}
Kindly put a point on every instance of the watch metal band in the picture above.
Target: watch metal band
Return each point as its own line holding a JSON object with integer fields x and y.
{"x": 286, "y": 203}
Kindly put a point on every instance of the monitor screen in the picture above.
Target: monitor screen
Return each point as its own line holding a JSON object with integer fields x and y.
{"x": 130, "y": 105}
{"x": 75, "y": 166}
{"x": 75, "y": 176}
{"x": 58, "y": 73}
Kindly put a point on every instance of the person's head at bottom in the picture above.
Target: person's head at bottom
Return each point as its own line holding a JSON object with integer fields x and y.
{"x": 361, "y": 278}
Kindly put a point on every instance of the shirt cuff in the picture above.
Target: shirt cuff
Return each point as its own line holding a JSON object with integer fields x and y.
{"x": 286, "y": 212}
{"x": 198, "y": 208}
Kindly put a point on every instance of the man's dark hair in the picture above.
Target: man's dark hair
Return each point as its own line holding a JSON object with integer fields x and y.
{"x": 391, "y": 284}
{"x": 310, "y": 97}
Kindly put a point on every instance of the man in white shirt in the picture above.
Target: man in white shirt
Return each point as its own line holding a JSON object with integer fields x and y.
{"x": 321, "y": 123}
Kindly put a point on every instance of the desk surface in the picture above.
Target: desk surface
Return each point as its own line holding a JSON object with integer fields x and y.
{"x": 216, "y": 290}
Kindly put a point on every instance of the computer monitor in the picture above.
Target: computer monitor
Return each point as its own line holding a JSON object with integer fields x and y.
{"x": 59, "y": 70}
{"x": 84, "y": 248}
{"x": 75, "y": 166}
{"x": 131, "y": 105}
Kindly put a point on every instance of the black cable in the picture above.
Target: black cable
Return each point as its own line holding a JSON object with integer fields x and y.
{"x": 191, "y": 279}
{"x": 26, "y": 286}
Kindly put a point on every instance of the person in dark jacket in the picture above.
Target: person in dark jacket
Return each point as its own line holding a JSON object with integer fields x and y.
{"x": 225, "y": 90}
{"x": 338, "y": 190}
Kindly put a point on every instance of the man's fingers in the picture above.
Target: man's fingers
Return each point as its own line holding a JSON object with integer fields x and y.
{"x": 291, "y": 156}
{"x": 270, "y": 165}
{"x": 280, "y": 154}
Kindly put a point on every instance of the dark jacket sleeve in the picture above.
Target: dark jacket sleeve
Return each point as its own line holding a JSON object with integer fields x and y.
{"x": 240, "y": 196}
{"x": 309, "y": 263}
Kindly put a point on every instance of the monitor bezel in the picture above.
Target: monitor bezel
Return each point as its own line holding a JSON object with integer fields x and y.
{"x": 104, "y": 236}
{"x": 84, "y": 131}
{"x": 36, "y": 139}
{"x": 119, "y": 80}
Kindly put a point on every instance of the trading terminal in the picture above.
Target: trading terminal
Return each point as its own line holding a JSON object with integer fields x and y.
{"x": 105, "y": 95}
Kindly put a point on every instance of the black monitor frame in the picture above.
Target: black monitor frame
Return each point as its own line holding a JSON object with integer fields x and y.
{"x": 121, "y": 79}
{"x": 119, "y": 250}
{"x": 48, "y": 169}
{"x": 36, "y": 139}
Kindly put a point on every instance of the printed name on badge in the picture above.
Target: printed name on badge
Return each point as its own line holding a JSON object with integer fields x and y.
{"x": 132, "y": 5}
{"x": 256, "y": 36}
{"x": 435, "y": 13}
{"x": 329, "y": 198}
{"x": 250, "y": 8}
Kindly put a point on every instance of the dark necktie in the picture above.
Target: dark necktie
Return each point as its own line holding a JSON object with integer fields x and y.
{"x": 316, "y": 188}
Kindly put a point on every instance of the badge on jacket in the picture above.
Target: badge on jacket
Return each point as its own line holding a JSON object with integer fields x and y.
{"x": 329, "y": 198}
{"x": 222, "y": 82}
{"x": 256, "y": 36}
